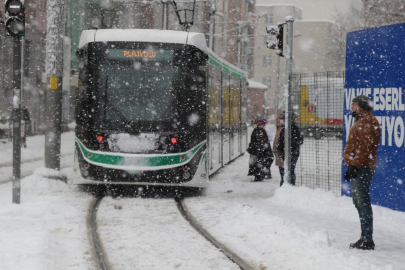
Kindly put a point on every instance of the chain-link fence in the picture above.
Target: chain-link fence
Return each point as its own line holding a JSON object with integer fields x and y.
{"x": 317, "y": 101}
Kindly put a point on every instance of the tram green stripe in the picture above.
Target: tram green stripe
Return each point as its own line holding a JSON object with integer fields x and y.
{"x": 226, "y": 68}
{"x": 202, "y": 159}
{"x": 137, "y": 159}
{"x": 101, "y": 158}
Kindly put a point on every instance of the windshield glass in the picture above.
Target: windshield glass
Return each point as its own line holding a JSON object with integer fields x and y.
{"x": 139, "y": 92}
{"x": 139, "y": 87}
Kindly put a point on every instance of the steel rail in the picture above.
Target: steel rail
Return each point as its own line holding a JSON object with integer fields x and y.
{"x": 228, "y": 253}
{"x": 92, "y": 226}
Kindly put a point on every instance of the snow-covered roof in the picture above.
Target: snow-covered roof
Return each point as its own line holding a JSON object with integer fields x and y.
{"x": 253, "y": 84}
{"x": 144, "y": 35}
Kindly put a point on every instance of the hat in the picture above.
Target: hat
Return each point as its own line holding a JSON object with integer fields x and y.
{"x": 364, "y": 102}
{"x": 261, "y": 121}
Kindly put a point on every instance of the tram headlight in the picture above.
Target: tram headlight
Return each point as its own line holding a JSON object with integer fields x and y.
{"x": 85, "y": 172}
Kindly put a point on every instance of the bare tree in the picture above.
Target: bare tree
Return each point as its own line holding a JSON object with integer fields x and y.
{"x": 383, "y": 12}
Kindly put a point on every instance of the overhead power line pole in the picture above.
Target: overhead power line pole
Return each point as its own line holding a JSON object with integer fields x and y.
{"x": 278, "y": 31}
{"x": 15, "y": 27}
{"x": 17, "y": 99}
{"x": 164, "y": 14}
{"x": 56, "y": 17}
{"x": 288, "y": 112}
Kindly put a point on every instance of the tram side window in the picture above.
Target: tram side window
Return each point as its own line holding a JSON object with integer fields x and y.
{"x": 198, "y": 67}
{"x": 225, "y": 100}
{"x": 82, "y": 105}
{"x": 215, "y": 97}
{"x": 198, "y": 80}
{"x": 238, "y": 102}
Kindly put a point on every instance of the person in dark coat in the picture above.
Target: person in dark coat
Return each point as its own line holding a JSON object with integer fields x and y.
{"x": 296, "y": 140}
{"x": 260, "y": 151}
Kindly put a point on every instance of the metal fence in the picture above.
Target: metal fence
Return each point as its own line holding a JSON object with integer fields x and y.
{"x": 317, "y": 102}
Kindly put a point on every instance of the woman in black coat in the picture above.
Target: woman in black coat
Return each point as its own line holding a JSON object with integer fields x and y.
{"x": 296, "y": 141}
{"x": 260, "y": 151}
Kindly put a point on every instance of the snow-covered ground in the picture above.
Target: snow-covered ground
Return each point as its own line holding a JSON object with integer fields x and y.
{"x": 35, "y": 148}
{"x": 268, "y": 226}
{"x": 33, "y": 156}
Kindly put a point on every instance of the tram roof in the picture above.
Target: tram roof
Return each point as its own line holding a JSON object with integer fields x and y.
{"x": 165, "y": 36}
{"x": 144, "y": 35}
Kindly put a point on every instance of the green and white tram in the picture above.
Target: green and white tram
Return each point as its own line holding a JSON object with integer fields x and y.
{"x": 155, "y": 107}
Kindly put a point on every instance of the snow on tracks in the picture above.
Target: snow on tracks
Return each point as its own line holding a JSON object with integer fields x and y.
{"x": 149, "y": 233}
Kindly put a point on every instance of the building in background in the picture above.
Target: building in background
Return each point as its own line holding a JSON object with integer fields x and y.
{"x": 318, "y": 45}
{"x": 326, "y": 10}
{"x": 256, "y": 105}
{"x": 219, "y": 20}
{"x": 226, "y": 16}
{"x": 269, "y": 69}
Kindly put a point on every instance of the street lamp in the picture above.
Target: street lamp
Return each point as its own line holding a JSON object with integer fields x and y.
{"x": 185, "y": 15}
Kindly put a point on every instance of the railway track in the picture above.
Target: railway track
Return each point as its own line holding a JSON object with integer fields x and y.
{"x": 92, "y": 225}
{"x": 101, "y": 255}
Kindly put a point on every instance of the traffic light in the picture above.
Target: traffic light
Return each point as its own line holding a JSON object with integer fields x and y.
{"x": 278, "y": 31}
{"x": 15, "y": 17}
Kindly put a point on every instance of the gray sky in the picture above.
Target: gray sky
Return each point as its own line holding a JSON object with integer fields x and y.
{"x": 317, "y": 9}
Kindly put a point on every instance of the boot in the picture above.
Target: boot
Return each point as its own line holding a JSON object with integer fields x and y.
{"x": 258, "y": 178}
{"x": 363, "y": 245}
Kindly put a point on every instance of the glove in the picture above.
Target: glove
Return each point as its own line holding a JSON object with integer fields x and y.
{"x": 351, "y": 173}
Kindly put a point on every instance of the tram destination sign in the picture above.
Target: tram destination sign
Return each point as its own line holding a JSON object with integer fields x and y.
{"x": 158, "y": 55}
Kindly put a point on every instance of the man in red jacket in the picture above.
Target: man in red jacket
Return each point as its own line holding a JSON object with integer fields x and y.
{"x": 361, "y": 156}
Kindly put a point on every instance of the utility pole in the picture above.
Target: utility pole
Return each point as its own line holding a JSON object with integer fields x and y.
{"x": 277, "y": 85}
{"x": 15, "y": 27}
{"x": 278, "y": 46}
{"x": 56, "y": 16}
{"x": 17, "y": 99}
{"x": 288, "y": 112}
{"x": 240, "y": 24}
{"x": 212, "y": 24}
{"x": 164, "y": 15}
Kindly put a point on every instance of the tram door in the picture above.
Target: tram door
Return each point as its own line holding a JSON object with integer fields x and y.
{"x": 225, "y": 119}
{"x": 234, "y": 119}
{"x": 238, "y": 113}
{"x": 244, "y": 116}
{"x": 214, "y": 119}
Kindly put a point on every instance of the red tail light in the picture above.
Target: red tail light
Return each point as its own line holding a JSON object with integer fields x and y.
{"x": 100, "y": 138}
{"x": 82, "y": 131}
{"x": 173, "y": 140}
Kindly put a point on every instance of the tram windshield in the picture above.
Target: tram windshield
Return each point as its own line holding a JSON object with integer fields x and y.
{"x": 142, "y": 86}
{"x": 143, "y": 93}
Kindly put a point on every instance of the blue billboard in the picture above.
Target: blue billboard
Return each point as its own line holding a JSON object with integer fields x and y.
{"x": 375, "y": 66}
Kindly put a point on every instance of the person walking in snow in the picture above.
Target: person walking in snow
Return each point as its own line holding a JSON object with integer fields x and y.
{"x": 260, "y": 151}
{"x": 360, "y": 155}
{"x": 270, "y": 136}
{"x": 296, "y": 141}
{"x": 278, "y": 160}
